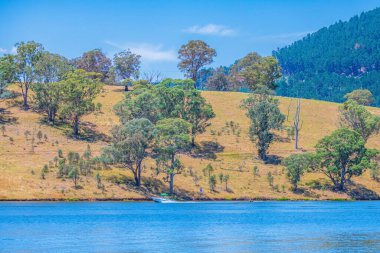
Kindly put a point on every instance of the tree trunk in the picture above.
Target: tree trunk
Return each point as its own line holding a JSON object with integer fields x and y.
{"x": 126, "y": 88}
{"x": 226, "y": 186}
{"x": 138, "y": 175}
{"x": 262, "y": 154}
{"x": 171, "y": 182}
{"x": 51, "y": 116}
{"x": 76, "y": 126}
{"x": 193, "y": 140}
{"x": 25, "y": 100}
{"x": 137, "y": 181}
{"x": 194, "y": 78}
{"x": 296, "y": 142}
{"x": 342, "y": 178}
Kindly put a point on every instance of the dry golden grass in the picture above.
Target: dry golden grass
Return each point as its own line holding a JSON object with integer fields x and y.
{"x": 17, "y": 162}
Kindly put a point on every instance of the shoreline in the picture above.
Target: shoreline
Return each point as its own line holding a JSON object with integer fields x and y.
{"x": 136, "y": 200}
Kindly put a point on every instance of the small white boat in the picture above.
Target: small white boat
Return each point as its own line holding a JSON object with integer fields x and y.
{"x": 162, "y": 200}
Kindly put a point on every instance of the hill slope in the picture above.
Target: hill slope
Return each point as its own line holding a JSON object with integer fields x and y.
{"x": 236, "y": 155}
{"x": 334, "y": 61}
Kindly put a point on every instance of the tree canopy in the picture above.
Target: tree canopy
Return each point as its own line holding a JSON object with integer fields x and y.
{"x": 79, "y": 89}
{"x": 265, "y": 115}
{"x": 194, "y": 55}
{"x": 343, "y": 155}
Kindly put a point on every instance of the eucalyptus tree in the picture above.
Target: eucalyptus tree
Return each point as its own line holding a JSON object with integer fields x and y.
{"x": 359, "y": 119}
{"x": 296, "y": 165}
{"x": 94, "y": 61}
{"x": 265, "y": 115}
{"x": 51, "y": 68}
{"x": 362, "y": 97}
{"x": 127, "y": 65}
{"x": 79, "y": 89}
{"x": 131, "y": 144}
{"x": 26, "y": 61}
{"x": 7, "y": 71}
{"x": 343, "y": 155}
{"x": 256, "y": 71}
{"x": 172, "y": 138}
{"x": 193, "y": 56}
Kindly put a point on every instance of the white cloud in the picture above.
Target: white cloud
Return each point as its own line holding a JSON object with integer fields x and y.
{"x": 148, "y": 52}
{"x": 211, "y": 29}
{"x": 14, "y": 50}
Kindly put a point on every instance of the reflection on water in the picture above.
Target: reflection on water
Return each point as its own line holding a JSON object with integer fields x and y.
{"x": 190, "y": 227}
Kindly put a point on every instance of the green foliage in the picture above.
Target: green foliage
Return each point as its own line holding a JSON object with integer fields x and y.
{"x": 40, "y": 135}
{"x": 79, "y": 89}
{"x": 94, "y": 61}
{"x": 3, "y": 129}
{"x": 7, "y": 72}
{"x": 186, "y": 84}
{"x": 314, "y": 67}
{"x": 26, "y": 66}
{"x": 255, "y": 171}
{"x": 48, "y": 98}
{"x": 74, "y": 165}
{"x": 74, "y": 175}
{"x": 99, "y": 183}
{"x": 50, "y": 69}
{"x": 265, "y": 115}
{"x": 197, "y": 112}
{"x": 171, "y": 98}
{"x": 343, "y": 155}
{"x": 127, "y": 64}
{"x": 357, "y": 118}
{"x": 45, "y": 169}
{"x": 225, "y": 180}
{"x": 296, "y": 165}
{"x": 362, "y": 97}
{"x": 212, "y": 182}
{"x": 270, "y": 179}
{"x": 218, "y": 81}
{"x": 207, "y": 171}
{"x": 131, "y": 145}
{"x": 194, "y": 55}
{"x": 172, "y": 137}
{"x": 255, "y": 71}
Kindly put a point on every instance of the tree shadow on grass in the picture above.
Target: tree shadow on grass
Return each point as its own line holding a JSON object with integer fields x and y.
{"x": 89, "y": 134}
{"x": 360, "y": 192}
{"x": 273, "y": 159}
{"x": 149, "y": 186}
{"x": 306, "y": 192}
{"x": 87, "y": 131}
{"x": 207, "y": 150}
{"x": 6, "y": 117}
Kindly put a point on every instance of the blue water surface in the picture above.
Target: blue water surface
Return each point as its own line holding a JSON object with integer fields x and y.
{"x": 190, "y": 227}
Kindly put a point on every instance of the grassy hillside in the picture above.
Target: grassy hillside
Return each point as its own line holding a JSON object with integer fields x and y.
{"x": 235, "y": 155}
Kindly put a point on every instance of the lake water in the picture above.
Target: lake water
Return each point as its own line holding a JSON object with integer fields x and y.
{"x": 190, "y": 227}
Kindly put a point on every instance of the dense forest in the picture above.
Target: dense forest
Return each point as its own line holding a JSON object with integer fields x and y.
{"x": 334, "y": 61}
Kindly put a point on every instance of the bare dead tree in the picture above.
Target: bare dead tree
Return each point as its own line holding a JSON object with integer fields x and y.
{"x": 152, "y": 76}
{"x": 297, "y": 122}
{"x": 289, "y": 107}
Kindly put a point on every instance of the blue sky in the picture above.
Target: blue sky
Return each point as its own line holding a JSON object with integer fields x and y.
{"x": 156, "y": 29}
